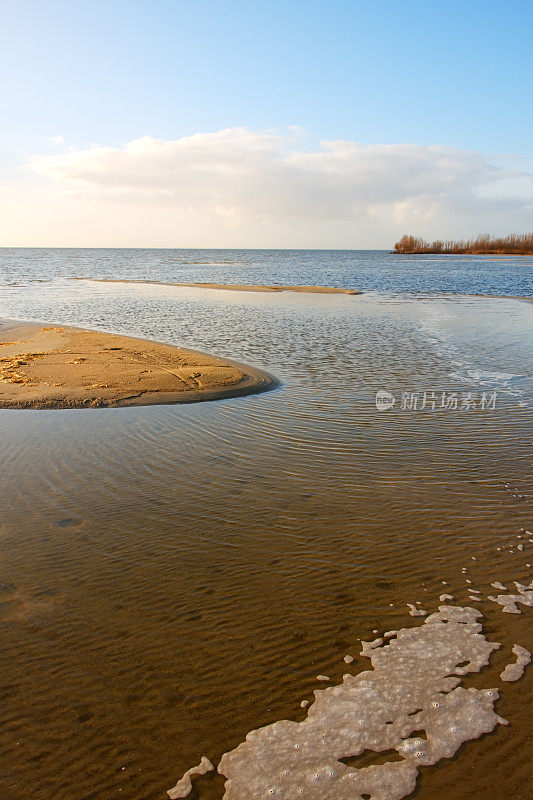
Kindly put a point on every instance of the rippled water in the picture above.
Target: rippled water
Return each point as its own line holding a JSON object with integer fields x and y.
{"x": 172, "y": 577}
{"x": 357, "y": 269}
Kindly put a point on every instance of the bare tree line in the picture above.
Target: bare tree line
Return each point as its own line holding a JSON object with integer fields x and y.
{"x": 514, "y": 244}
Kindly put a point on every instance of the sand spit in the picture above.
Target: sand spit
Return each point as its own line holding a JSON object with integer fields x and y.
{"x": 236, "y": 287}
{"x": 63, "y": 367}
{"x": 243, "y": 287}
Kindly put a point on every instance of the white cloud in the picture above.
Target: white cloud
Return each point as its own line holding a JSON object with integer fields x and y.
{"x": 59, "y": 139}
{"x": 260, "y": 188}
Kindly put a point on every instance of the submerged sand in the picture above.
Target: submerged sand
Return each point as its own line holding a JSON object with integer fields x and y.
{"x": 64, "y": 367}
{"x": 238, "y": 287}
{"x": 250, "y": 287}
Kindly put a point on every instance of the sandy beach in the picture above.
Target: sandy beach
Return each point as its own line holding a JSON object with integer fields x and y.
{"x": 63, "y": 367}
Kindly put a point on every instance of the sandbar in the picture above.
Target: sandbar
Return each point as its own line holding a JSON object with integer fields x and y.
{"x": 251, "y": 287}
{"x": 237, "y": 287}
{"x": 55, "y": 366}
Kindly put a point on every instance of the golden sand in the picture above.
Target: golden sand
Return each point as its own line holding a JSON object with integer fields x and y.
{"x": 63, "y": 367}
{"x": 237, "y": 287}
{"x": 245, "y": 287}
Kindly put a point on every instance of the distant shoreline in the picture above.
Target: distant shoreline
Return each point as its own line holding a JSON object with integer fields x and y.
{"x": 512, "y": 245}
{"x": 459, "y": 253}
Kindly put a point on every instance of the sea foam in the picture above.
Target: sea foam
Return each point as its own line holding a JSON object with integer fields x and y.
{"x": 410, "y": 704}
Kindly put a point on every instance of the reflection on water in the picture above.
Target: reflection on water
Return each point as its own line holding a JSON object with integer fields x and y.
{"x": 355, "y": 269}
{"x": 172, "y": 577}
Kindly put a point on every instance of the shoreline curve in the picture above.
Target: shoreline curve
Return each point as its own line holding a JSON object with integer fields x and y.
{"x": 47, "y": 366}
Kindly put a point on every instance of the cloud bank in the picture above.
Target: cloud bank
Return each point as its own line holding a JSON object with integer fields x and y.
{"x": 240, "y": 187}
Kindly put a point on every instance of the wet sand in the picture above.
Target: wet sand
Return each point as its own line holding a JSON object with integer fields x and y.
{"x": 238, "y": 287}
{"x": 64, "y": 367}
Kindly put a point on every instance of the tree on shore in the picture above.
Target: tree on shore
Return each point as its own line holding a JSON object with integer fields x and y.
{"x": 514, "y": 244}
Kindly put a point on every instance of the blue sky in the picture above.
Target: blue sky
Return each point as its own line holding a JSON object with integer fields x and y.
{"x": 449, "y": 73}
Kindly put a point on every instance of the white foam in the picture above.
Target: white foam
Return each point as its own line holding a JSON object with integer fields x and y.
{"x": 369, "y": 646}
{"x": 416, "y": 612}
{"x": 509, "y": 601}
{"x": 323, "y": 678}
{"x": 413, "y": 687}
{"x": 348, "y": 659}
{"x": 513, "y": 672}
{"x": 184, "y": 786}
{"x": 445, "y": 597}
{"x": 498, "y": 585}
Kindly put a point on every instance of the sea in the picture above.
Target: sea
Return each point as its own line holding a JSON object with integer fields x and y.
{"x": 368, "y": 270}
{"x": 174, "y": 577}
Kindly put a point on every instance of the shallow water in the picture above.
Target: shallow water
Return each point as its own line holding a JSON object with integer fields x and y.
{"x": 357, "y": 269}
{"x": 173, "y": 577}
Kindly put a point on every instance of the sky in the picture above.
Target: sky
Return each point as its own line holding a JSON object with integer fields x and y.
{"x": 247, "y": 123}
